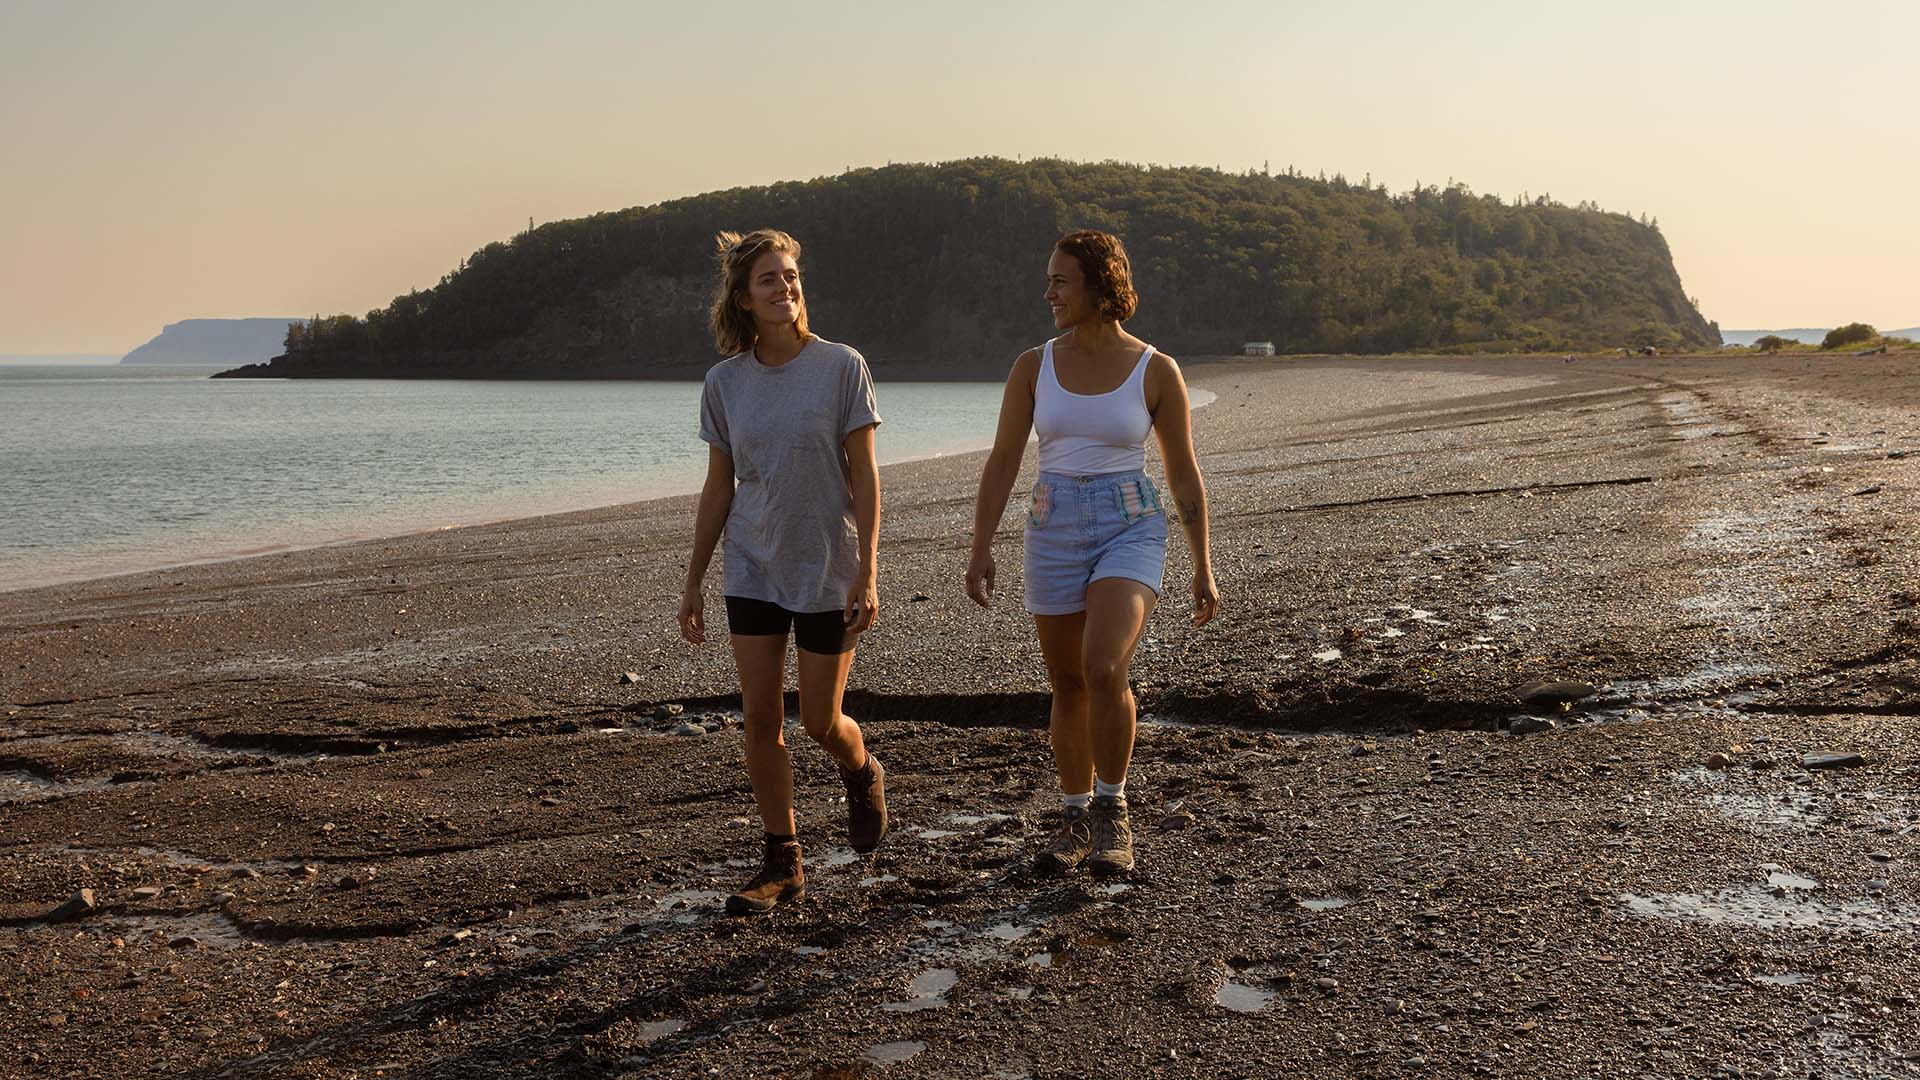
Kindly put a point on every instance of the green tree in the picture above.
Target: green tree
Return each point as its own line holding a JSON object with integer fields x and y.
{"x": 1851, "y": 334}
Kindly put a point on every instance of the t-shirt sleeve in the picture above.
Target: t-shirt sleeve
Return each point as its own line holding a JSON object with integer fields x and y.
{"x": 858, "y": 408}
{"x": 713, "y": 416}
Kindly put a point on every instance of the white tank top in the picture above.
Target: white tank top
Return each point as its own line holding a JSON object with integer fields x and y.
{"x": 1090, "y": 434}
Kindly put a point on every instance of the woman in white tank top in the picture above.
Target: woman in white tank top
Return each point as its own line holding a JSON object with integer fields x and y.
{"x": 1096, "y": 535}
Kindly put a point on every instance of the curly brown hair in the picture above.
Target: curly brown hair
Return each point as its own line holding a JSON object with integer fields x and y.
{"x": 733, "y": 328}
{"x": 1103, "y": 260}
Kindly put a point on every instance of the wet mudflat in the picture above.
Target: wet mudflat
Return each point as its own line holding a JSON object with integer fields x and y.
{"x": 1558, "y": 723}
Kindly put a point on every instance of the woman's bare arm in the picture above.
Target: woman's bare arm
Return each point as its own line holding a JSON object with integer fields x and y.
{"x": 1002, "y": 469}
{"x": 716, "y": 499}
{"x": 1173, "y": 424}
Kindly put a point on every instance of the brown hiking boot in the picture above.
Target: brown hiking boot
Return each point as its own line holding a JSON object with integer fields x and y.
{"x": 866, "y": 805}
{"x": 780, "y": 880}
{"x": 1112, "y": 836}
{"x": 1071, "y": 844}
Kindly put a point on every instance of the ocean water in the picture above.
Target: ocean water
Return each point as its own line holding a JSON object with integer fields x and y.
{"x": 108, "y": 469}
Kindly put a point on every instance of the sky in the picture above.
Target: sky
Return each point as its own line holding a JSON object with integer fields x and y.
{"x": 200, "y": 159}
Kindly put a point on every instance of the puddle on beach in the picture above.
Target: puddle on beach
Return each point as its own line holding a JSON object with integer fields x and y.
{"x": 1757, "y": 907}
{"x": 650, "y": 1030}
{"x": 1785, "y": 978}
{"x": 1007, "y": 932}
{"x": 936, "y": 834}
{"x": 1780, "y": 879}
{"x": 894, "y": 1053}
{"x": 210, "y": 931}
{"x": 1332, "y": 903}
{"x": 928, "y": 990}
{"x": 1038, "y": 960}
{"x": 690, "y": 904}
{"x": 1241, "y": 998}
{"x": 18, "y": 787}
{"x": 838, "y": 857}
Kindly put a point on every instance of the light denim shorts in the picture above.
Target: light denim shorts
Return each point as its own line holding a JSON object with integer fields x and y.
{"x": 1084, "y": 528}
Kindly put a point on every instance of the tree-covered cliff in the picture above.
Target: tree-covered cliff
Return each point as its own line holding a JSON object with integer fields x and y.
{"x": 937, "y": 270}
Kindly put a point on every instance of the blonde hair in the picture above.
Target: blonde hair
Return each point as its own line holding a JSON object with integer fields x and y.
{"x": 733, "y": 326}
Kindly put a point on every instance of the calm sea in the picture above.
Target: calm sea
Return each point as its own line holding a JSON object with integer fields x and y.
{"x": 107, "y": 469}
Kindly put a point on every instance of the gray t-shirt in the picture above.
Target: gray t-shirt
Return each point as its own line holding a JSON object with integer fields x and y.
{"x": 790, "y": 538}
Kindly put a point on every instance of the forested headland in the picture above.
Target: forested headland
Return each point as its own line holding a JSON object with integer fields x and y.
{"x": 937, "y": 270}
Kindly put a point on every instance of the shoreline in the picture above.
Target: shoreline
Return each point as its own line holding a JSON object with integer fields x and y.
{"x": 463, "y": 522}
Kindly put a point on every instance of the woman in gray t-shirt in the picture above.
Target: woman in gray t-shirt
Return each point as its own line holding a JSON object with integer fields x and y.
{"x": 791, "y": 480}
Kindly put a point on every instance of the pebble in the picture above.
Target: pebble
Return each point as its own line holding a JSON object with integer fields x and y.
{"x": 147, "y": 892}
{"x": 1880, "y": 856}
{"x": 1527, "y": 725}
{"x": 690, "y": 728}
{"x": 1327, "y": 984}
{"x": 628, "y": 679}
{"x": 670, "y": 709}
{"x": 81, "y": 903}
{"x": 1176, "y": 822}
{"x": 1718, "y": 761}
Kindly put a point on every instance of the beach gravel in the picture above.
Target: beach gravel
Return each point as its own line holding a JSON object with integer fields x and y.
{"x": 414, "y": 806}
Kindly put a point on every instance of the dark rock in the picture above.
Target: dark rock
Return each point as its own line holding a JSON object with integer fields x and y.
{"x": 1528, "y": 725}
{"x": 1880, "y": 856}
{"x": 690, "y": 728}
{"x": 1832, "y": 761}
{"x": 1176, "y": 821}
{"x": 1717, "y": 762}
{"x": 628, "y": 679}
{"x": 669, "y": 710}
{"x": 918, "y": 598}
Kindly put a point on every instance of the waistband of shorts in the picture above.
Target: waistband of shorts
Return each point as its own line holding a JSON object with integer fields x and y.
{"x": 1089, "y": 479}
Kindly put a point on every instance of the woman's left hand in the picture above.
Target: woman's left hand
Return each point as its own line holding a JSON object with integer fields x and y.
{"x": 1206, "y": 598}
{"x": 863, "y": 605}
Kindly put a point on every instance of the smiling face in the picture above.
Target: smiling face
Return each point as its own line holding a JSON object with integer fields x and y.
{"x": 1072, "y": 300}
{"x": 772, "y": 294}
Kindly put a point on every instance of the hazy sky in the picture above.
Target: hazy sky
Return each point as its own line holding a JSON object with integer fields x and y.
{"x": 185, "y": 159}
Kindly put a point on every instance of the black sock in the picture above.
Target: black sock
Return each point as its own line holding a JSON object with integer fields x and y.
{"x": 778, "y": 841}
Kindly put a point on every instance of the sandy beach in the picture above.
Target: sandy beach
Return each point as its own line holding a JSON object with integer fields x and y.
{"x": 389, "y": 808}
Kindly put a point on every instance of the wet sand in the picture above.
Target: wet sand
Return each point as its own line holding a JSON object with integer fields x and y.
{"x": 384, "y": 809}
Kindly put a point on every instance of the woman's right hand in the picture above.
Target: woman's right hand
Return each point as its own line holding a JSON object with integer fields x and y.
{"x": 980, "y": 577}
{"x": 693, "y": 615}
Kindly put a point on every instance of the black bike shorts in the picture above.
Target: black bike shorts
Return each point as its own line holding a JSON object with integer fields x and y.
{"x": 823, "y": 632}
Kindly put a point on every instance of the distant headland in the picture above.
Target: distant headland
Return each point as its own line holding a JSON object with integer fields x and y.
{"x": 935, "y": 271}
{"x": 214, "y": 341}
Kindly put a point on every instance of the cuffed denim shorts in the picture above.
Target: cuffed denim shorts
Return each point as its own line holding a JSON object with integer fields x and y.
{"x": 1084, "y": 528}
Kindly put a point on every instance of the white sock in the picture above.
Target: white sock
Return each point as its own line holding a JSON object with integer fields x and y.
{"x": 1106, "y": 790}
{"x": 1080, "y": 801}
